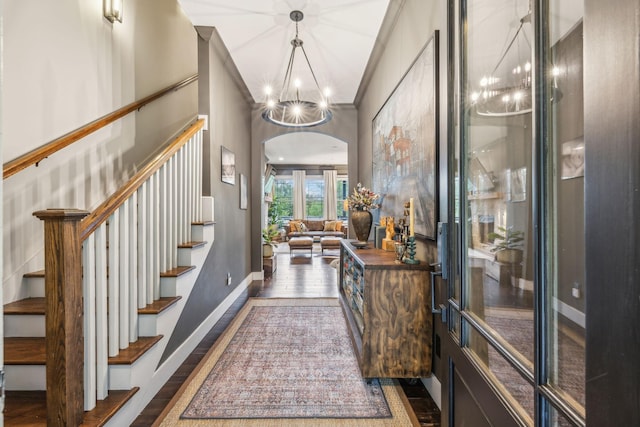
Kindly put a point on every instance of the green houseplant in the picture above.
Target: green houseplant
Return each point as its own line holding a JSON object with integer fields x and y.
{"x": 268, "y": 242}
{"x": 507, "y": 245}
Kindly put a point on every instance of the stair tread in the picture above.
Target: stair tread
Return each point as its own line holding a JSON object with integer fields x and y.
{"x": 39, "y": 273}
{"x": 191, "y": 244}
{"x": 159, "y": 305}
{"x": 136, "y": 349}
{"x": 26, "y": 306}
{"x": 205, "y": 223}
{"x": 24, "y": 351}
{"x": 178, "y": 271}
{"x": 31, "y": 351}
{"x": 29, "y": 408}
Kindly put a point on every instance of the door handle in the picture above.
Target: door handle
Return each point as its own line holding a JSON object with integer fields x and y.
{"x": 443, "y": 309}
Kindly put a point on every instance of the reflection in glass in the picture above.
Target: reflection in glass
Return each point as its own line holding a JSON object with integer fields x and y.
{"x": 558, "y": 420}
{"x": 566, "y": 271}
{"x": 497, "y": 162}
{"x": 505, "y": 376}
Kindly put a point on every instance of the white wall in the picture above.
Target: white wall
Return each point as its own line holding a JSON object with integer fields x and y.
{"x": 64, "y": 66}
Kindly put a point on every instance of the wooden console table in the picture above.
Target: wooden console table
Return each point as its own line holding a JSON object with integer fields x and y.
{"x": 388, "y": 311}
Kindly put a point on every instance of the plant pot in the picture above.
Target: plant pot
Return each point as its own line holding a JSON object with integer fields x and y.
{"x": 267, "y": 250}
{"x": 509, "y": 256}
{"x": 361, "y": 222}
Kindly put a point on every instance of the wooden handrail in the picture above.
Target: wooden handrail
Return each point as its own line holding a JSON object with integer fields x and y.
{"x": 109, "y": 206}
{"x": 14, "y": 166}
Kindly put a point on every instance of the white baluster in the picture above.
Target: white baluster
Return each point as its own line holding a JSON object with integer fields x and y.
{"x": 102, "y": 345}
{"x": 89, "y": 300}
{"x": 133, "y": 268}
{"x": 155, "y": 238}
{"x": 114, "y": 289}
{"x": 123, "y": 244}
{"x": 162, "y": 224}
{"x": 143, "y": 242}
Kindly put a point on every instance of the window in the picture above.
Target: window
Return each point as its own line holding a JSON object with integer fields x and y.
{"x": 342, "y": 189}
{"x": 283, "y": 195}
{"x": 314, "y": 190}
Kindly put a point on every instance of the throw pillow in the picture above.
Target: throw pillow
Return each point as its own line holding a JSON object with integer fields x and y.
{"x": 303, "y": 227}
{"x": 338, "y": 225}
{"x": 329, "y": 226}
{"x": 294, "y": 226}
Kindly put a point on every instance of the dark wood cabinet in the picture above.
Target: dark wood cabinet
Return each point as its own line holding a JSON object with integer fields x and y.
{"x": 388, "y": 310}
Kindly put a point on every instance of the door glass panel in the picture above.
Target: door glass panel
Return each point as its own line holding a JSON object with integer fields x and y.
{"x": 558, "y": 420}
{"x": 508, "y": 380}
{"x": 497, "y": 168}
{"x": 566, "y": 232}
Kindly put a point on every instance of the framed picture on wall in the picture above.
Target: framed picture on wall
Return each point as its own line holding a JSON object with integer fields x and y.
{"x": 405, "y": 137}
{"x": 228, "y": 166}
{"x": 243, "y": 191}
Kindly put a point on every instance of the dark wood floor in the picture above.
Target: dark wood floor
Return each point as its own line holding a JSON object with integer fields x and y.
{"x": 301, "y": 276}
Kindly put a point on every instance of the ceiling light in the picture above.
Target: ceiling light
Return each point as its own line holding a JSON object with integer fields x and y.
{"x": 289, "y": 109}
{"x": 112, "y": 10}
{"x": 504, "y": 92}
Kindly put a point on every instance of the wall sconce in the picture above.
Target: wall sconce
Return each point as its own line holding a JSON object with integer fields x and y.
{"x": 113, "y": 10}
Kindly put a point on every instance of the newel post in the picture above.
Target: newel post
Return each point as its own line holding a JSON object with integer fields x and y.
{"x": 63, "y": 294}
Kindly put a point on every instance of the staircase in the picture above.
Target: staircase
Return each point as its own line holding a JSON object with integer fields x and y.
{"x": 139, "y": 256}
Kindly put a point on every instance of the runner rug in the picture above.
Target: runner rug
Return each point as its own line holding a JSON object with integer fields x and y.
{"x": 286, "y": 362}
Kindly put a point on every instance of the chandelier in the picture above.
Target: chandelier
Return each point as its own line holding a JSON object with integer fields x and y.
{"x": 289, "y": 109}
{"x": 507, "y": 92}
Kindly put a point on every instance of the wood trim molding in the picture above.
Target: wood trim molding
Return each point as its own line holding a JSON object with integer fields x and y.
{"x": 109, "y": 206}
{"x": 33, "y": 157}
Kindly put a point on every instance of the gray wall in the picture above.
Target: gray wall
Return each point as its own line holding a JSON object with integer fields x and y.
{"x": 224, "y": 98}
{"x": 343, "y": 126}
{"x": 65, "y": 65}
{"x": 407, "y": 28}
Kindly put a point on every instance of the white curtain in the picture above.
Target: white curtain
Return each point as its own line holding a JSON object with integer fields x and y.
{"x": 299, "y": 195}
{"x": 330, "y": 205}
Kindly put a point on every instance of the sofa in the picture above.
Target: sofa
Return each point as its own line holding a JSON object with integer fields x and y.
{"x": 316, "y": 228}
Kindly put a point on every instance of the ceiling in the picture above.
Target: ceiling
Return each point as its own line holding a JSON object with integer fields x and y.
{"x": 338, "y": 37}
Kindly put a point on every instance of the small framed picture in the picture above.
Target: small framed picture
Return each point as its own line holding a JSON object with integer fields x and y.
{"x": 573, "y": 159}
{"x": 243, "y": 191}
{"x": 228, "y": 166}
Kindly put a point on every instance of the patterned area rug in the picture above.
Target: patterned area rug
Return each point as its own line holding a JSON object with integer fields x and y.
{"x": 286, "y": 362}
{"x": 518, "y": 331}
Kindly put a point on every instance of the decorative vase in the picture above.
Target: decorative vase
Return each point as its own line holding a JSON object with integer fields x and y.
{"x": 361, "y": 221}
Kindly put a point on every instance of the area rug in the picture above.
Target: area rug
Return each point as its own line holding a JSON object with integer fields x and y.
{"x": 286, "y": 362}
{"x": 517, "y": 329}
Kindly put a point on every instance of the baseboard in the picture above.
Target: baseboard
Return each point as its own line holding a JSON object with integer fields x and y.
{"x": 433, "y": 386}
{"x": 147, "y": 391}
{"x": 573, "y": 314}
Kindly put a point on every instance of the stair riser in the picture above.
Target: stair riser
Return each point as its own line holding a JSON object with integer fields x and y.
{"x": 124, "y": 377}
{"x": 201, "y": 233}
{"x": 24, "y": 325}
{"x": 151, "y": 325}
{"x": 34, "y": 287}
{"x": 25, "y": 377}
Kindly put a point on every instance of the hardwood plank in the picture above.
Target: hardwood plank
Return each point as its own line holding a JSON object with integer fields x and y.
{"x": 191, "y": 245}
{"x": 29, "y": 408}
{"x": 26, "y": 306}
{"x": 178, "y": 271}
{"x": 24, "y": 351}
{"x": 159, "y": 305}
{"x": 135, "y": 350}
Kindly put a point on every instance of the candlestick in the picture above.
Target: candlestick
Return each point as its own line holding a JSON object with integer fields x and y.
{"x": 411, "y": 217}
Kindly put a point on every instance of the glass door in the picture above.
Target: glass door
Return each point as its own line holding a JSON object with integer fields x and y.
{"x": 516, "y": 342}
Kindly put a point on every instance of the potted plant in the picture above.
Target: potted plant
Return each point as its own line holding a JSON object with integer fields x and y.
{"x": 507, "y": 245}
{"x": 268, "y": 236}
